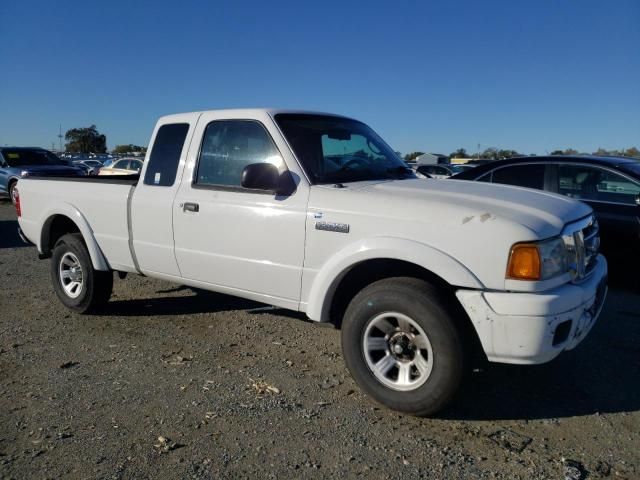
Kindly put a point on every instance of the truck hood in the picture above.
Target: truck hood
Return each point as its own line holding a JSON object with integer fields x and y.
{"x": 544, "y": 214}
{"x": 474, "y": 223}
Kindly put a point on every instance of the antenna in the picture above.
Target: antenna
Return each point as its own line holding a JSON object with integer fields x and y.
{"x": 60, "y": 138}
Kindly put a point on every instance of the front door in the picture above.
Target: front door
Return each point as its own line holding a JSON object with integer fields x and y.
{"x": 248, "y": 242}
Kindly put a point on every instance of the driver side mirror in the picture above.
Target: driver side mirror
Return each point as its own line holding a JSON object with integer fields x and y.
{"x": 260, "y": 176}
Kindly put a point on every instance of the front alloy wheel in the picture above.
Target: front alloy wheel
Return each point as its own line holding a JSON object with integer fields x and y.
{"x": 403, "y": 346}
{"x": 13, "y": 192}
{"x": 398, "y": 351}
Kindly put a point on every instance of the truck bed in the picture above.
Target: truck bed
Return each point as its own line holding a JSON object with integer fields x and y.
{"x": 101, "y": 203}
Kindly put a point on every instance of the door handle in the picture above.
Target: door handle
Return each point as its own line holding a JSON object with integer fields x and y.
{"x": 191, "y": 207}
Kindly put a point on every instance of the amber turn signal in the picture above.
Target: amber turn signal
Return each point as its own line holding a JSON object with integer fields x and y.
{"x": 524, "y": 262}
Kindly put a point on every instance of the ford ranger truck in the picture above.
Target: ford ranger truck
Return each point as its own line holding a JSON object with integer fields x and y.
{"x": 316, "y": 213}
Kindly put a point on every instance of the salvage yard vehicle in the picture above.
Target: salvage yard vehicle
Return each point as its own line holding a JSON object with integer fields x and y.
{"x": 20, "y": 162}
{"x": 609, "y": 185}
{"x": 90, "y": 167}
{"x": 308, "y": 212}
{"x": 123, "y": 166}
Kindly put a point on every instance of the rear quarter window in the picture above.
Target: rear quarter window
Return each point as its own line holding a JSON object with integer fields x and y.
{"x": 165, "y": 155}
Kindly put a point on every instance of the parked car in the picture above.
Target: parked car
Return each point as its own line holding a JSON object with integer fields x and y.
{"x": 124, "y": 166}
{"x": 20, "y": 162}
{"x": 308, "y": 212}
{"x": 90, "y": 167}
{"x": 609, "y": 185}
{"x": 441, "y": 170}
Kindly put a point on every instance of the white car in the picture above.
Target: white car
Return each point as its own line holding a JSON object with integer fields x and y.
{"x": 308, "y": 212}
{"x": 123, "y": 166}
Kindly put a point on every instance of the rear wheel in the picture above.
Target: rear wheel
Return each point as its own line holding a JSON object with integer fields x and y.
{"x": 77, "y": 284}
{"x": 402, "y": 345}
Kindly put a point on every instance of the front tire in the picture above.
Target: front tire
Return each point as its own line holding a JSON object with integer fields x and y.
{"x": 402, "y": 346}
{"x": 13, "y": 192}
{"x": 77, "y": 284}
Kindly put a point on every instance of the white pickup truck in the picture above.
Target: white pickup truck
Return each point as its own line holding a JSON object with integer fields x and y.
{"x": 315, "y": 213}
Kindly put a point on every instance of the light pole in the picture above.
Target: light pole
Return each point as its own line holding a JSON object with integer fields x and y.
{"x": 60, "y": 138}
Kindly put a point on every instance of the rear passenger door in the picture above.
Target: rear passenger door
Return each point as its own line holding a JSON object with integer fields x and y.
{"x": 152, "y": 202}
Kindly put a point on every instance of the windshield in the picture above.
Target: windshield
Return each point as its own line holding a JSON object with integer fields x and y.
{"x": 24, "y": 157}
{"x": 336, "y": 150}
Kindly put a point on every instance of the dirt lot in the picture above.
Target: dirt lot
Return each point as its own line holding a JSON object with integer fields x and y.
{"x": 89, "y": 396}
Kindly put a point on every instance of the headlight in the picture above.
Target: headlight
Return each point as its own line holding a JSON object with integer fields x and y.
{"x": 537, "y": 261}
{"x": 24, "y": 173}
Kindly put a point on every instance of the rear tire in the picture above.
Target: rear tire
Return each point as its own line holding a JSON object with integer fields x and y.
{"x": 77, "y": 284}
{"x": 402, "y": 346}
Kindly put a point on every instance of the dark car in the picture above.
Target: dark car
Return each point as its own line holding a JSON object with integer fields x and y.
{"x": 610, "y": 185}
{"x": 18, "y": 162}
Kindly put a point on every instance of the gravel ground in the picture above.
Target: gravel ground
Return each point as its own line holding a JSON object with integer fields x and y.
{"x": 237, "y": 389}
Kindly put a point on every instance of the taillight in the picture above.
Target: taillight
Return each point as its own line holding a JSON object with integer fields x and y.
{"x": 17, "y": 198}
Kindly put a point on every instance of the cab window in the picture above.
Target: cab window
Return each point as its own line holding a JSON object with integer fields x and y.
{"x": 165, "y": 155}
{"x": 230, "y": 145}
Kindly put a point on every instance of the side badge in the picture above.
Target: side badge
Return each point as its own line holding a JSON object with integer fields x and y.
{"x": 333, "y": 227}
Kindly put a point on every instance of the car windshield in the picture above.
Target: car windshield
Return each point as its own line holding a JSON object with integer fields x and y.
{"x": 336, "y": 150}
{"x": 25, "y": 157}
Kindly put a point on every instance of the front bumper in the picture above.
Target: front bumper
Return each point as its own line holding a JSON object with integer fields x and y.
{"x": 531, "y": 328}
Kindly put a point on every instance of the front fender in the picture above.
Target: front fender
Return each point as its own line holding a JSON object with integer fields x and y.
{"x": 66, "y": 209}
{"x": 423, "y": 255}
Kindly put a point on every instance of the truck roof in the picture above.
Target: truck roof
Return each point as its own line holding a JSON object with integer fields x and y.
{"x": 248, "y": 112}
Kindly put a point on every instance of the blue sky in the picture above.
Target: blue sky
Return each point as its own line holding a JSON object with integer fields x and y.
{"x": 528, "y": 75}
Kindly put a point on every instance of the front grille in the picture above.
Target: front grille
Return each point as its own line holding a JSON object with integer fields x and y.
{"x": 591, "y": 240}
{"x": 583, "y": 244}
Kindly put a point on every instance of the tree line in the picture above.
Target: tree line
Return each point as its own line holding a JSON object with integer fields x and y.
{"x": 492, "y": 153}
{"x": 90, "y": 140}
